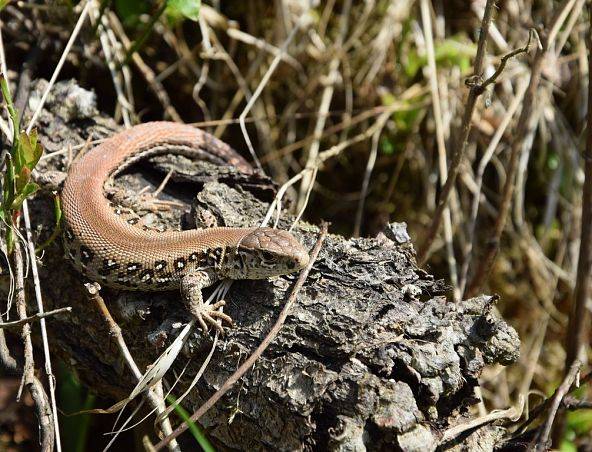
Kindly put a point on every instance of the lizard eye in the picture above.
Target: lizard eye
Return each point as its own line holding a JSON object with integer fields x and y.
{"x": 268, "y": 256}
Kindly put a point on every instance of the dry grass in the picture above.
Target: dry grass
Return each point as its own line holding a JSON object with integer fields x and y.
{"x": 307, "y": 81}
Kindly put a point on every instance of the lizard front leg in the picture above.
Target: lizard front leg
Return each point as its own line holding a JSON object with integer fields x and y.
{"x": 191, "y": 287}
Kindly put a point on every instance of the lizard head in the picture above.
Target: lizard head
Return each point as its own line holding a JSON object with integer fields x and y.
{"x": 265, "y": 252}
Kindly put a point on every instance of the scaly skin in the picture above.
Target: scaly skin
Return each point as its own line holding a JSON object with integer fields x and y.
{"x": 108, "y": 249}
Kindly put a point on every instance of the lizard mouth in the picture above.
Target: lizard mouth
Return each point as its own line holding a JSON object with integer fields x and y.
{"x": 301, "y": 257}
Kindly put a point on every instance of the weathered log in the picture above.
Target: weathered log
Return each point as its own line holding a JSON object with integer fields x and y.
{"x": 373, "y": 355}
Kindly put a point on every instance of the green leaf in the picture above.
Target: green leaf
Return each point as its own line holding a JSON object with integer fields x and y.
{"x": 9, "y": 184}
{"x": 30, "y": 150}
{"x": 29, "y": 189}
{"x": 23, "y": 178}
{"x": 185, "y": 8}
{"x": 386, "y": 146}
{"x": 3, "y": 4}
{"x": 194, "y": 428}
{"x": 130, "y": 10}
{"x": 449, "y": 52}
{"x": 568, "y": 446}
{"x": 580, "y": 421}
{"x": 74, "y": 397}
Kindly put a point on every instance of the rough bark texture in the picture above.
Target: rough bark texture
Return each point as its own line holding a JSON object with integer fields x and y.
{"x": 372, "y": 356}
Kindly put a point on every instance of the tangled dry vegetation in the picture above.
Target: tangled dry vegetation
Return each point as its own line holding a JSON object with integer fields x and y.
{"x": 360, "y": 107}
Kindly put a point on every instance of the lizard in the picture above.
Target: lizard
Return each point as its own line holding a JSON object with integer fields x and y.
{"x": 106, "y": 248}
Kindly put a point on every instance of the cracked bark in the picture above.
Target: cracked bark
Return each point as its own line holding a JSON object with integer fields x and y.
{"x": 372, "y": 356}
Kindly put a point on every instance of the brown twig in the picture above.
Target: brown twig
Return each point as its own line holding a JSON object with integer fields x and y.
{"x": 148, "y": 74}
{"x": 474, "y": 93}
{"x": 534, "y": 414}
{"x": 532, "y": 32}
{"x": 483, "y": 163}
{"x": 34, "y": 318}
{"x": 115, "y": 331}
{"x": 542, "y": 438}
{"x": 260, "y": 349}
{"x": 487, "y": 260}
{"x": 571, "y": 403}
{"x": 21, "y": 308}
{"x": 40, "y": 399}
{"x": 511, "y": 413}
{"x": 578, "y": 328}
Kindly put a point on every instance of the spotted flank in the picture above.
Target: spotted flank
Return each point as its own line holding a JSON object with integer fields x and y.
{"x": 164, "y": 280}
{"x": 180, "y": 264}
{"x": 109, "y": 265}
{"x": 133, "y": 267}
{"x": 68, "y": 235}
{"x": 146, "y": 276}
{"x": 86, "y": 255}
{"x": 160, "y": 265}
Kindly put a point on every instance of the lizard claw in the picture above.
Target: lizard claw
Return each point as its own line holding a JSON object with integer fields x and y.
{"x": 191, "y": 286}
{"x": 209, "y": 313}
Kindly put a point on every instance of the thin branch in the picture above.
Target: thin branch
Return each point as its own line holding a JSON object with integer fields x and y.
{"x": 45, "y": 341}
{"x": 260, "y": 349}
{"x": 115, "y": 331}
{"x": 61, "y": 62}
{"x": 34, "y": 318}
{"x": 487, "y": 260}
{"x": 571, "y": 403}
{"x": 260, "y": 87}
{"x": 42, "y": 407}
{"x": 56, "y": 431}
{"x": 543, "y": 437}
{"x": 459, "y": 152}
{"x": 487, "y": 156}
{"x": 534, "y": 414}
{"x": 532, "y": 32}
{"x": 578, "y": 329}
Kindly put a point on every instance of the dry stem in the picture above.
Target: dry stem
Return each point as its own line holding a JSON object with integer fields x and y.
{"x": 42, "y": 405}
{"x": 487, "y": 260}
{"x": 115, "y": 331}
{"x": 578, "y": 329}
{"x": 459, "y": 152}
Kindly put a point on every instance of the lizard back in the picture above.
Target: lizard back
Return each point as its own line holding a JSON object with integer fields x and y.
{"x": 105, "y": 247}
